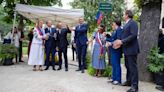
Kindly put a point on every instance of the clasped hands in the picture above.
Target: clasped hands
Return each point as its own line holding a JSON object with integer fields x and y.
{"x": 116, "y": 44}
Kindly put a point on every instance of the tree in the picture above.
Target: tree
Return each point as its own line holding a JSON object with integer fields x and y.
{"x": 91, "y": 8}
{"x": 9, "y": 6}
{"x": 148, "y": 37}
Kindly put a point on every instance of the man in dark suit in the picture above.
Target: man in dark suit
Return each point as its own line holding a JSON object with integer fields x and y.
{"x": 62, "y": 44}
{"x": 81, "y": 41}
{"x": 50, "y": 45}
{"x": 129, "y": 42}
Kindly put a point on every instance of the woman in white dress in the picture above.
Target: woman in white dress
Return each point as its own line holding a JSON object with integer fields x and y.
{"x": 36, "y": 56}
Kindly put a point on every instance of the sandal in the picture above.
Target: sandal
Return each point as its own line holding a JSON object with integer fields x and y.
{"x": 34, "y": 69}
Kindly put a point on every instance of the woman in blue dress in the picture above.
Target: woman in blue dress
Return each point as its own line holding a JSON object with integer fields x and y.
{"x": 115, "y": 53}
{"x": 98, "y": 55}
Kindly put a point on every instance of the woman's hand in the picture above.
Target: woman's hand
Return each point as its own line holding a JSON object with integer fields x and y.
{"x": 108, "y": 44}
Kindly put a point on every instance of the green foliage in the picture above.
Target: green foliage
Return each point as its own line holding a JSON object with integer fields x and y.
{"x": 8, "y": 51}
{"x": 91, "y": 71}
{"x": 138, "y": 3}
{"x": 155, "y": 61}
{"x": 91, "y": 8}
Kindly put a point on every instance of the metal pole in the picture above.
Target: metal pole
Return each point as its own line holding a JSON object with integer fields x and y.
{"x": 14, "y": 20}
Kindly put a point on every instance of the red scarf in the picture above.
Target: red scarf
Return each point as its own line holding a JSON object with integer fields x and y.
{"x": 100, "y": 43}
{"x": 40, "y": 33}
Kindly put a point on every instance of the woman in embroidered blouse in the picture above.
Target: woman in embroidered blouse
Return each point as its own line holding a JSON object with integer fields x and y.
{"x": 36, "y": 56}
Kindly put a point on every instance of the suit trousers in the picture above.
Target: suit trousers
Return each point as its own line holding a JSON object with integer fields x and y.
{"x": 64, "y": 51}
{"x": 132, "y": 70}
{"x": 49, "y": 52}
{"x": 81, "y": 52}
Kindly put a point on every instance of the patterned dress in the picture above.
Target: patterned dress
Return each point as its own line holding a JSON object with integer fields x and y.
{"x": 97, "y": 61}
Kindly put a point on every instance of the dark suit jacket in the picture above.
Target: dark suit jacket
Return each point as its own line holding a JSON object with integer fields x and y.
{"x": 52, "y": 41}
{"x": 81, "y": 34}
{"x": 129, "y": 38}
{"x": 62, "y": 38}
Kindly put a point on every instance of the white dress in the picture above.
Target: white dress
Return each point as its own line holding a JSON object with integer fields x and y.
{"x": 36, "y": 56}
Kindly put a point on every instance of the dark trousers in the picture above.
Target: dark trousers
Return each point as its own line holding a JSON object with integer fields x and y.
{"x": 116, "y": 67}
{"x": 81, "y": 52}
{"x": 132, "y": 70}
{"x": 73, "y": 52}
{"x": 64, "y": 51}
{"x": 20, "y": 51}
{"x": 49, "y": 52}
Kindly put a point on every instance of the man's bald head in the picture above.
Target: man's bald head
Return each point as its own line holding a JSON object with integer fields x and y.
{"x": 59, "y": 25}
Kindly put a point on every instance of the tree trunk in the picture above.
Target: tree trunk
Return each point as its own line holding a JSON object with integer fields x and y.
{"x": 148, "y": 37}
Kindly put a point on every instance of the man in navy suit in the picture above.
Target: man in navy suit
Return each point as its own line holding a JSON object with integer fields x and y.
{"x": 129, "y": 42}
{"x": 81, "y": 42}
{"x": 50, "y": 45}
{"x": 62, "y": 44}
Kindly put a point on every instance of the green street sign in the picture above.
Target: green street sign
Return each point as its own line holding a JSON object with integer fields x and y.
{"x": 107, "y": 7}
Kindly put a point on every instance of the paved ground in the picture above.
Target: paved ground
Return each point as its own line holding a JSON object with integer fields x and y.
{"x": 21, "y": 78}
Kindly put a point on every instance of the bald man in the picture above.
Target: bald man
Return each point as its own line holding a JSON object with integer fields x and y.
{"x": 50, "y": 45}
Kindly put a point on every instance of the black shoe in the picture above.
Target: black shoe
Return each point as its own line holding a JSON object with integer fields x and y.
{"x": 66, "y": 69}
{"x": 126, "y": 84}
{"x": 160, "y": 88}
{"x": 78, "y": 70}
{"x": 132, "y": 90}
{"x": 21, "y": 61}
{"x": 46, "y": 68}
{"x": 59, "y": 68}
{"x": 82, "y": 71}
{"x": 54, "y": 69}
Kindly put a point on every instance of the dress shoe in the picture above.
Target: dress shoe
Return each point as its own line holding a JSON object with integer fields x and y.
{"x": 132, "y": 90}
{"x": 161, "y": 88}
{"x": 126, "y": 84}
{"x": 46, "y": 68}
{"x": 82, "y": 71}
{"x": 54, "y": 69}
{"x": 66, "y": 69}
{"x": 59, "y": 68}
{"x": 21, "y": 61}
{"x": 78, "y": 70}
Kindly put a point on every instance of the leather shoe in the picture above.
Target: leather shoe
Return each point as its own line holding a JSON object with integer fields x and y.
{"x": 66, "y": 69}
{"x": 46, "y": 68}
{"x": 54, "y": 69}
{"x": 126, "y": 84}
{"x": 132, "y": 90}
{"x": 82, "y": 71}
{"x": 59, "y": 68}
{"x": 78, "y": 70}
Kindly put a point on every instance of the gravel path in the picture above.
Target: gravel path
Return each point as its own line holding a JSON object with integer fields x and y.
{"x": 21, "y": 78}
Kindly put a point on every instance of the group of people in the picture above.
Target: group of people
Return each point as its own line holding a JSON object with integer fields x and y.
{"x": 51, "y": 40}
{"x": 122, "y": 41}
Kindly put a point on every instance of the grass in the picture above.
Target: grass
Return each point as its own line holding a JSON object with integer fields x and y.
{"x": 25, "y": 49}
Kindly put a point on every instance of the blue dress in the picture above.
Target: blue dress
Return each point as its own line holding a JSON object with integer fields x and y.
{"x": 98, "y": 63}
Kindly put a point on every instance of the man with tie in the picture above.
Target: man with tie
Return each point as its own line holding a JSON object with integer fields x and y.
{"x": 81, "y": 42}
{"x": 62, "y": 44}
{"x": 130, "y": 46}
{"x": 50, "y": 45}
